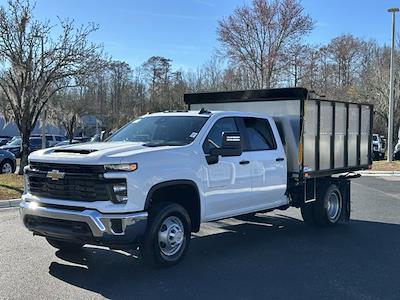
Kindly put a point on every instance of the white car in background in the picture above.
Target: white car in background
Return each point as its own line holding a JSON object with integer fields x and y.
{"x": 52, "y": 139}
{"x": 396, "y": 153}
{"x": 378, "y": 147}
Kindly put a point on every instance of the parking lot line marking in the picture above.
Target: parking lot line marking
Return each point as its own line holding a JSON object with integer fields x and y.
{"x": 382, "y": 192}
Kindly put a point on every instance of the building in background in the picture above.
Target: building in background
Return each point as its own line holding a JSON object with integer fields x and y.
{"x": 89, "y": 126}
{"x": 11, "y": 129}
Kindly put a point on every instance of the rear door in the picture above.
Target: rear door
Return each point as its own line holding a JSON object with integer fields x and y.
{"x": 267, "y": 161}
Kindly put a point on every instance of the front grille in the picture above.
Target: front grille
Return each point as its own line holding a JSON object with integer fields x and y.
{"x": 75, "y": 169}
{"x": 80, "y": 183}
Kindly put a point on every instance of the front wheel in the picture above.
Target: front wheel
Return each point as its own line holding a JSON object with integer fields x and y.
{"x": 6, "y": 167}
{"x": 168, "y": 235}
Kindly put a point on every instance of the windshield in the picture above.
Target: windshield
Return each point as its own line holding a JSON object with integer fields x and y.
{"x": 161, "y": 130}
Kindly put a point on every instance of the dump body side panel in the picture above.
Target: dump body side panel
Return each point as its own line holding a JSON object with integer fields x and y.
{"x": 327, "y": 137}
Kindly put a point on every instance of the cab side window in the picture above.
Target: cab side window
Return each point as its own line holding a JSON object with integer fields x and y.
{"x": 214, "y": 137}
{"x": 259, "y": 134}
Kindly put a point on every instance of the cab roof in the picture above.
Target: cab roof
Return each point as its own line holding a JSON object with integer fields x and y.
{"x": 206, "y": 113}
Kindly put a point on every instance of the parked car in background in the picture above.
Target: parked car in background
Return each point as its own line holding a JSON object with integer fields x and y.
{"x": 35, "y": 143}
{"x": 14, "y": 146}
{"x": 67, "y": 142}
{"x": 15, "y": 137}
{"x": 51, "y": 139}
{"x": 83, "y": 139}
{"x": 378, "y": 146}
{"x": 7, "y": 162}
{"x": 396, "y": 153}
{"x": 4, "y": 141}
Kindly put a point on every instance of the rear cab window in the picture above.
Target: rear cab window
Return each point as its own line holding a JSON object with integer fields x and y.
{"x": 259, "y": 134}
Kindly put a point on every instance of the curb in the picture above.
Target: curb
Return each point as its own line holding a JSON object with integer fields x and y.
{"x": 380, "y": 173}
{"x": 9, "y": 203}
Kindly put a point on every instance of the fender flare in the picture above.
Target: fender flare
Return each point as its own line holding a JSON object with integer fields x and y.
{"x": 163, "y": 184}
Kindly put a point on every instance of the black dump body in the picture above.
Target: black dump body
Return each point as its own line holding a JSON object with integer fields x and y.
{"x": 321, "y": 137}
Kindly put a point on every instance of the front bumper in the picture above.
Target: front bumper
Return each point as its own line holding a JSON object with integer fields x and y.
{"x": 87, "y": 226}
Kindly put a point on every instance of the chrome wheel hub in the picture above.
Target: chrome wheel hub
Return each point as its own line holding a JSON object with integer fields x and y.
{"x": 7, "y": 168}
{"x": 333, "y": 208}
{"x": 171, "y": 236}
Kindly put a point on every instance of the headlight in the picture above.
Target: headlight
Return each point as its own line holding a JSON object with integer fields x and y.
{"x": 121, "y": 167}
{"x": 120, "y": 192}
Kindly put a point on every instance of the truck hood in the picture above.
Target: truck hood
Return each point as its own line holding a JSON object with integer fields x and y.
{"x": 93, "y": 153}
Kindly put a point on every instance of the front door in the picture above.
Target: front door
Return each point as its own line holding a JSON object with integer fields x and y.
{"x": 227, "y": 182}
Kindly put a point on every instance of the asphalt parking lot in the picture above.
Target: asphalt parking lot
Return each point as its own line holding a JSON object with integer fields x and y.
{"x": 274, "y": 256}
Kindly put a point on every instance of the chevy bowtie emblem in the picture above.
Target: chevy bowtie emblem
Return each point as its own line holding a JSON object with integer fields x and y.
{"x": 55, "y": 175}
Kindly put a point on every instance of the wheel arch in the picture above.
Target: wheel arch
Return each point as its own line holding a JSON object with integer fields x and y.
{"x": 179, "y": 190}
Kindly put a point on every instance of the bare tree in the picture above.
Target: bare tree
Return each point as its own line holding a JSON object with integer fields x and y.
{"x": 36, "y": 66}
{"x": 120, "y": 83}
{"x": 345, "y": 53}
{"x": 158, "y": 71}
{"x": 373, "y": 84}
{"x": 296, "y": 63}
{"x": 257, "y": 36}
{"x": 66, "y": 109}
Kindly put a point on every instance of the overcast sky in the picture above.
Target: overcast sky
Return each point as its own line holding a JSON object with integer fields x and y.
{"x": 185, "y": 30}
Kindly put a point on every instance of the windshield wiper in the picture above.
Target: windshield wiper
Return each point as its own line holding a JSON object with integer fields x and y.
{"x": 160, "y": 144}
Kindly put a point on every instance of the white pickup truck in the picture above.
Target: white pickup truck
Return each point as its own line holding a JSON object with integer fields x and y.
{"x": 155, "y": 180}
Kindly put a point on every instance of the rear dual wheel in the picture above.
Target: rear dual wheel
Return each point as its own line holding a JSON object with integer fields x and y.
{"x": 327, "y": 210}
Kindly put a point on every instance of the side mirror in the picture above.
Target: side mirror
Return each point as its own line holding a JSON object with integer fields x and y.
{"x": 231, "y": 146}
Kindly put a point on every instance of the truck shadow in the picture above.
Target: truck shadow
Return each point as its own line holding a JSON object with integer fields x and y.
{"x": 278, "y": 257}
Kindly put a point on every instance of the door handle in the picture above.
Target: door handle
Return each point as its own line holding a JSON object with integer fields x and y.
{"x": 280, "y": 159}
{"x": 244, "y": 162}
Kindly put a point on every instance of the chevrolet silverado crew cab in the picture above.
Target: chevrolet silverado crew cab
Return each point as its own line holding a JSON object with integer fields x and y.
{"x": 155, "y": 180}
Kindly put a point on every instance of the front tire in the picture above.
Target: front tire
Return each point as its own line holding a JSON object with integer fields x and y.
{"x": 167, "y": 237}
{"x": 7, "y": 167}
{"x": 64, "y": 246}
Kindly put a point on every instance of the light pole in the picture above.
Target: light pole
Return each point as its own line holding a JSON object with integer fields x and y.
{"x": 391, "y": 88}
{"x": 43, "y": 122}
